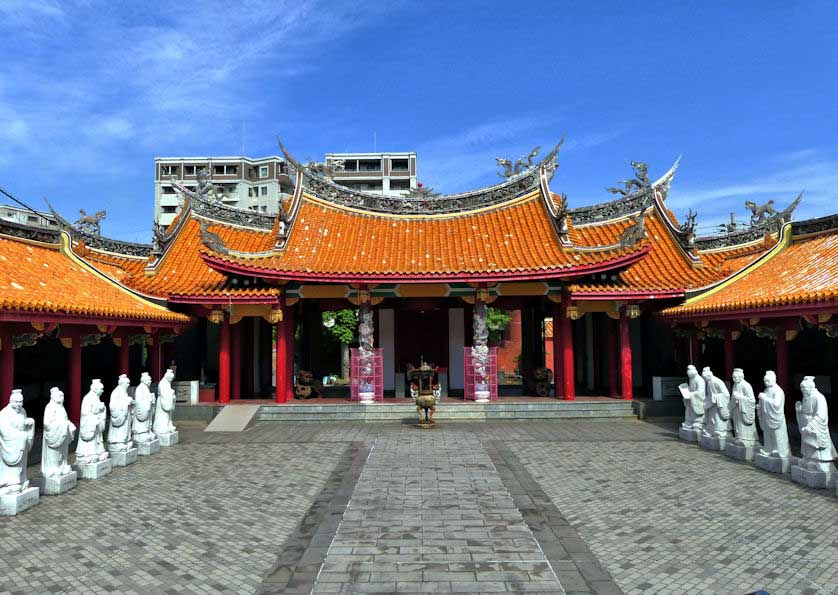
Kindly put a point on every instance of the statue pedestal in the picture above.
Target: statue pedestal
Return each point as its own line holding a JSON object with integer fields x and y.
{"x": 772, "y": 464}
{"x": 96, "y": 470}
{"x": 481, "y": 396}
{"x": 52, "y": 486}
{"x": 812, "y": 478}
{"x": 123, "y": 458}
{"x": 741, "y": 452}
{"x": 689, "y": 435}
{"x": 713, "y": 442}
{"x": 148, "y": 448}
{"x": 168, "y": 439}
{"x": 12, "y": 504}
{"x": 366, "y": 398}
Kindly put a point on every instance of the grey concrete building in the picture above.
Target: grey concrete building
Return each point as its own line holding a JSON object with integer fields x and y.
{"x": 392, "y": 174}
{"x": 27, "y": 217}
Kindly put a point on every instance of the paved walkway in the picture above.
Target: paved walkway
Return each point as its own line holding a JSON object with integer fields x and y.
{"x": 568, "y": 506}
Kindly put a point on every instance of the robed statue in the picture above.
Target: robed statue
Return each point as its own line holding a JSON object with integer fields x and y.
{"x": 165, "y": 405}
{"x": 716, "y": 405}
{"x": 693, "y": 392}
{"x": 91, "y": 444}
{"x": 743, "y": 410}
{"x": 772, "y": 419}
{"x": 816, "y": 448}
{"x": 122, "y": 413}
{"x": 58, "y": 434}
{"x": 17, "y": 432}
{"x": 143, "y": 410}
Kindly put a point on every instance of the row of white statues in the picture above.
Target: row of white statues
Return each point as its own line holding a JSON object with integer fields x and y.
{"x": 144, "y": 419}
{"x": 722, "y": 419}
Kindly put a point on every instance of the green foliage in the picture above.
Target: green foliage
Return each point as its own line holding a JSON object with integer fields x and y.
{"x": 342, "y": 325}
{"x": 497, "y": 320}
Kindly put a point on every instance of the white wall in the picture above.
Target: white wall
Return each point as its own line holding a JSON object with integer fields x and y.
{"x": 456, "y": 343}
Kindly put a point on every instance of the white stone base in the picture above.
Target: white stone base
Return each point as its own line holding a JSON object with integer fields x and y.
{"x": 741, "y": 452}
{"x": 52, "y": 486}
{"x": 713, "y": 442}
{"x": 12, "y": 504}
{"x": 148, "y": 448}
{"x": 168, "y": 439}
{"x": 366, "y": 398}
{"x": 95, "y": 470}
{"x": 811, "y": 478}
{"x": 481, "y": 396}
{"x": 772, "y": 463}
{"x": 689, "y": 435}
{"x": 123, "y": 458}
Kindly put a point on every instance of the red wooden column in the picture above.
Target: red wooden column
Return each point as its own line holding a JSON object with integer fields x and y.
{"x": 625, "y": 357}
{"x": 224, "y": 362}
{"x": 694, "y": 351}
{"x": 613, "y": 359}
{"x": 782, "y": 360}
{"x": 558, "y": 361}
{"x": 124, "y": 355}
{"x": 155, "y": 357}
{"x": 568, "y": 373}
{"x": 74, "y": 378}
{"x": 281, "y": 358}
{"x": 289, "y": 354}
{"x": 235, "y": 361}
{"x": 7, "y": 367}
{"x": 728, "y": 355}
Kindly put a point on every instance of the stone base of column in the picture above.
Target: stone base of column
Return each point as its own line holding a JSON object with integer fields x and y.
{"x": 773, "y": 463}
{"x": 96, "y": 470}
{"x": 151, "y": 447}
{"x": 52, "y": 486}
{"x": 689, "y": 435}
{"x": 12, "y": 504}
{"x": 169, "y": 439}
{"x": 713, "y": 442}
{"x": 812, "y": 478}
{"x": 366, "y": 398}
{"x": 741, "y": 452}
{"x": 123, "y": 458}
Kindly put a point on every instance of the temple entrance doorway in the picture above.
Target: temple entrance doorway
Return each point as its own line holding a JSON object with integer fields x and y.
{"x": 421, "y": 334}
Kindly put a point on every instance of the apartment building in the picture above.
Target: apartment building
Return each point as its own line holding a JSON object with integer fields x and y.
{"x": 391, "y": 174}
{"x": 242, "y": 182}
{"x": 27, "y": 217}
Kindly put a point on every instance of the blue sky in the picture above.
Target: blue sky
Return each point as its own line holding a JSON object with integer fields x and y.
{"x": 91, "y": 92}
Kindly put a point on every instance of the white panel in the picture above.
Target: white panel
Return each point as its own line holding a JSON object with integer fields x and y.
{"x": 456, "y": 344}
{"x": 387, "y": 342}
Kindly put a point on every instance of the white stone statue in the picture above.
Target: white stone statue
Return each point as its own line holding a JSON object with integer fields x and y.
{"x": 91, "y": 444}
{"x": 772, "y": 419}
{"x": 58, "y": 434}
{"x": 163, "y": 426}
{"x": 121, "y": 413}
{"x": 17, "y": 432}
{"x": 816, "y": 448}
{"x": 716, "y": 406}
{"x": 143, "y": 410}
{"x": 693, "y": 392}
{"x": 743, "y": 410}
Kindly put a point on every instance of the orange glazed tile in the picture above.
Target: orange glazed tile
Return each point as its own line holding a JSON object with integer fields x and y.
{"x": 805, "y": 272}
{"x": 36, "y": 277}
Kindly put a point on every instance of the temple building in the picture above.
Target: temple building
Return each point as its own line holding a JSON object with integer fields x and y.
{"x": 605, "y": 296}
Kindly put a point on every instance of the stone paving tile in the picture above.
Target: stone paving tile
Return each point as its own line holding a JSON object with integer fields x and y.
{"x": 194, "y": 517}
{"x": 422, "y": 498}
{"x": 664, "y": 516}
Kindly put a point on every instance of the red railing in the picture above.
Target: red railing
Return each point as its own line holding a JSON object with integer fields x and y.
{"x": 468, "y": 364}
{"x": 368, "y": 382}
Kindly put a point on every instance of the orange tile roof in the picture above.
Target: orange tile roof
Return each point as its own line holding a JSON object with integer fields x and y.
{"x": 804, "y": 272}
{"x": 36, "y": 277}
{"x": 665, "y": 267}
{"x": 182, "y": 272}
{"x": 516, "y": 237}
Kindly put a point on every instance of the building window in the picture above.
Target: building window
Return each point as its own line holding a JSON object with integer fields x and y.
{"x": 168, "y": 170}
{"x": 168, "y": 190}
{"x": 264, "y": 190}
{"x": 263, "y": 171}
{"x": 231, "y": 170}
{"x": 350, "y": 165}
{"x": 189, "y": 170}
{"x": 399, "y": 184}
{"x": 264, "y": 209}
{"x": 369, "y": 165}
{"x": 218, "y": 170}
{"x": 169, "y": 209}
{"x": 398, "y": 164}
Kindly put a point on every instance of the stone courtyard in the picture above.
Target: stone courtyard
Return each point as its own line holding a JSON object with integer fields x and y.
{"x": 562, "y": 506}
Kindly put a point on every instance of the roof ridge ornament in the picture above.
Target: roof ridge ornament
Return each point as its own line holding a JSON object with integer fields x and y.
{"x": 640, "y": 181}
{"x": 99, "y": 242}
{"x": 523, "y": 164}
{"x": 764, "y": 219}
